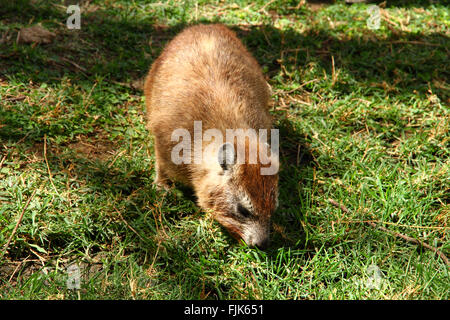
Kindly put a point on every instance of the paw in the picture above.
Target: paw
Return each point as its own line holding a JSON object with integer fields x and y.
{"x": 161, "y": 185}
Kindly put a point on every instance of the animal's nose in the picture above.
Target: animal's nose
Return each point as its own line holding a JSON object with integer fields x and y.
{"x": 261, "y": 244}
{"x": 259, "y": 237}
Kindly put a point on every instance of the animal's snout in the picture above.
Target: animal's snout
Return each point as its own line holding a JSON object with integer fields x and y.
{"x": 260, "y": 241}
{"x": 263, "y": 244}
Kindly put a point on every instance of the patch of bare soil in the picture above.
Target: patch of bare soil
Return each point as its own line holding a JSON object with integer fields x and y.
{"x": 13, "y": 271}
{"x": 35, "y": 34}
{"x": 315, "y": 5}
{"x": 93, "y": 150}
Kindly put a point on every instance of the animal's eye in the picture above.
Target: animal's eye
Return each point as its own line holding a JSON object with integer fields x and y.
{"x": 243, "y": 211}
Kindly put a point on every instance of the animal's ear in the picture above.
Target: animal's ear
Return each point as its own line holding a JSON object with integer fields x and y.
{"x": 226, "y": 156}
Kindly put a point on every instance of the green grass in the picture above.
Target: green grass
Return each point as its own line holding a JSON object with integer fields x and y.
{"x": 364, "y": 120}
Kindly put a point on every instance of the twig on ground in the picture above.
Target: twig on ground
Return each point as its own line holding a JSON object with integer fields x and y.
{"x": 263, "y": 8}
{"x": 395, "y": 224}
{"x": 17, "y": 268}
{"x": 296, "y": 88}
{"x": 423, "y": 43}
{"x": 395, "y": 234}
{"x": 13, "y": 99}
{"x": 74, "y": 64}
{"x": 333, "y": 71}
{"x": 3, "y": 160}
{"x": 17, "y": 224}
{"x": 127, "y": 224}
{"x": 48, "y": 167}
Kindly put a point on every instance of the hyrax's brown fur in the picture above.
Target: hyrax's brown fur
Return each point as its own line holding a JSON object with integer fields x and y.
{"x": 206, "y": 74}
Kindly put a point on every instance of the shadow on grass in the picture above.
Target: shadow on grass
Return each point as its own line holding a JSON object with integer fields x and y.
{"x": 120, "y": 49}
{"x": 390, "y": 3}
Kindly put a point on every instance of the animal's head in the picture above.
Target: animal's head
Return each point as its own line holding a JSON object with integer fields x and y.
{"x": 242, "y": 196}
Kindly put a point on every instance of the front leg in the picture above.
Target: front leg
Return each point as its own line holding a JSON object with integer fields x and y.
{"x": 162, "y": 181}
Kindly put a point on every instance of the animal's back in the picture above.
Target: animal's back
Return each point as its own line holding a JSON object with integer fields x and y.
{"x": 205, "y": 73}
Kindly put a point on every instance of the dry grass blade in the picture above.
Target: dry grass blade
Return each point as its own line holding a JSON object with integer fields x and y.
{"x": 5, "y": 248}
{"x": 48, "y": 167}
